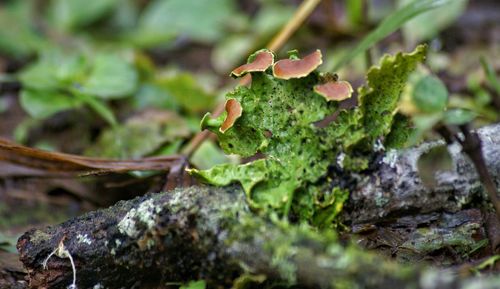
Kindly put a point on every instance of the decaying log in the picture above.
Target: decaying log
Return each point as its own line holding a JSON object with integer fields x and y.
{"x": 209, "y": 233}
{"x": 206, "y": 233}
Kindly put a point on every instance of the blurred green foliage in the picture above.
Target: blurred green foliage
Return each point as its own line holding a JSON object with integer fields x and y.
{"x": 429, "y": 94}
{"x": 119, "y": 59}
{"x": 8, "y": 243}
{"x": 100, "y": 55}
{"x": 19, "y": 39}
{"x": 391, "y": 23}
{"x": 429, "y": 24}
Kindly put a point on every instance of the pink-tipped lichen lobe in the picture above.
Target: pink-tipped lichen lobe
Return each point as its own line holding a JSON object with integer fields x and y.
{"x": 257, "y": 62}
{"x": 297, "y": 68}
{"x": 334, "y": 90}
{"x": 233, "y": 111}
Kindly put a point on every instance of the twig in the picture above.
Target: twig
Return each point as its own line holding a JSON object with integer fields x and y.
{"x": 305, "y": 9}
{"x": 68, "y": 164}
{"x": 472, "y": 147}
{"x": 471, "y": 144}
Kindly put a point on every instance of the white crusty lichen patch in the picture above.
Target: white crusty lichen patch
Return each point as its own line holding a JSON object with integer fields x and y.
{"x": 390, "y": 158}
{"x": 340, "y": 159}
{"x": 83, "y": 239}
{"x": 145, "y": 214}
{"x": 98, "y": 286}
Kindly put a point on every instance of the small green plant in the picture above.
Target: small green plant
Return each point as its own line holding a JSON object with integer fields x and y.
{"x": 277, "y": 116}
{"x": 59, "y": 81}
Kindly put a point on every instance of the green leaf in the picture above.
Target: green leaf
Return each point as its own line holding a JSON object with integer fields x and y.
{"x": 58, "y": 74}
{"x": 99, "y": 107}
{"x": 72, "y": 14}
{"x": 42, "y": 104}
{"x": 199, "y": 20}
{"x": 53, "y": 71}
{"x": 194, "y": 285}
{"x": 379, "y": 99}
{"x": 40, "y": 76}
{"x": 430, "y": 94}
{"x": 111, "y": 77}
{"x": 390, "y": 24}
{"x": 458, "y": 116}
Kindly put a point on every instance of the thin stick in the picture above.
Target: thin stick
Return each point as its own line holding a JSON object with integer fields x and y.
{"x": 305, "y": 9}
{"x": 472, "y": 146}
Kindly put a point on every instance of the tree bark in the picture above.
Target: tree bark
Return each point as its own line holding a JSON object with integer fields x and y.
{"x": 395, "y": 188}
{"x": 210, "y": 233}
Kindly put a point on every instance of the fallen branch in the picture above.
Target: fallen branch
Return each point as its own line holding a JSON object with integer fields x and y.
{"x": 209, "y": 233}
{"x": 204, "y": 233}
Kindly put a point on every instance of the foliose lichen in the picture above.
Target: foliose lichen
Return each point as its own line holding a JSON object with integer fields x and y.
{"x": 279, "y": 121}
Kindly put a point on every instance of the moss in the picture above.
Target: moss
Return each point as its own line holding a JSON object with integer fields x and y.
{"x": 279, "y": 121}
{"x": 296, "y": 252}
{"x": 428, "y": 240}
{"x": 400, "y": 132}
{"x": 40, "y": 236}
